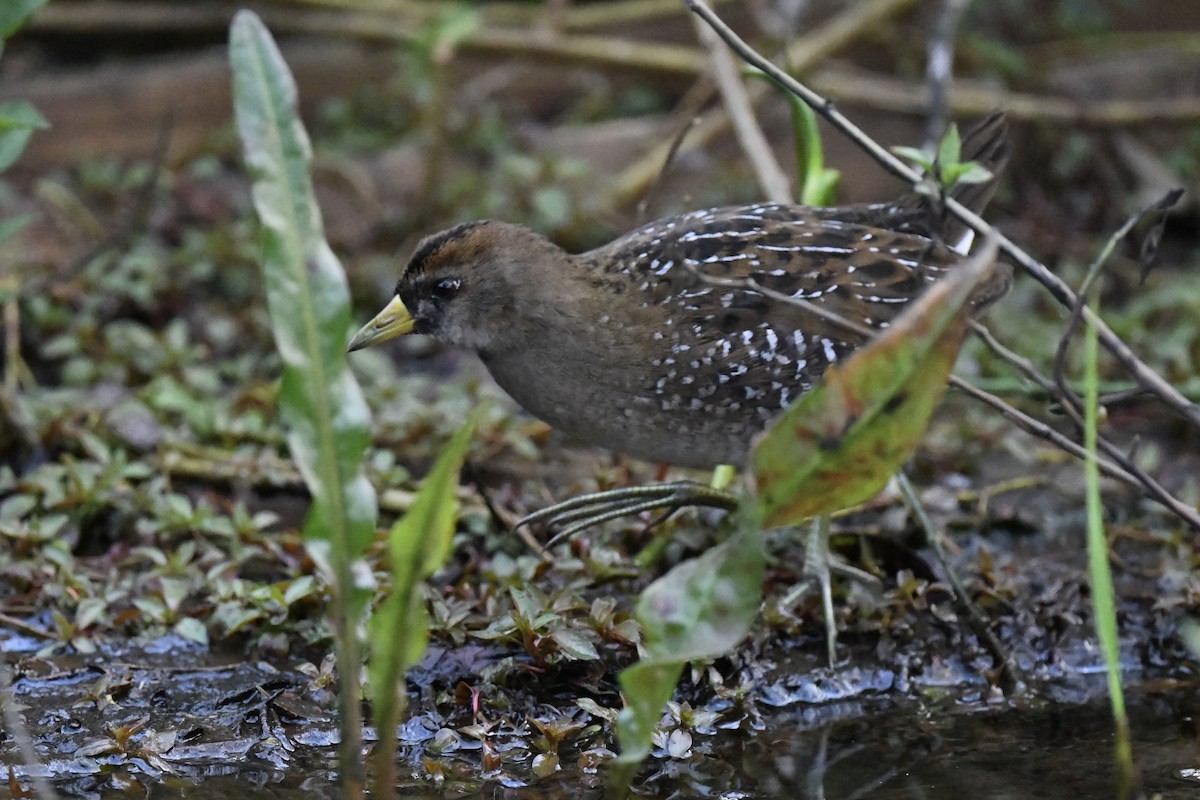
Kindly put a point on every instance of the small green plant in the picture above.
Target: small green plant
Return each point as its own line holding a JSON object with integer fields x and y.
{"x": 945, "y": 170}
{"x": 816, "y": 184}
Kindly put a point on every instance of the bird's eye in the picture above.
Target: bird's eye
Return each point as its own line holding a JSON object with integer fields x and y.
{"x": 446, "y": 288}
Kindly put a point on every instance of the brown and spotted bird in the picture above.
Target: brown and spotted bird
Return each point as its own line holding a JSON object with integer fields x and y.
{"x": 633, "y": 347}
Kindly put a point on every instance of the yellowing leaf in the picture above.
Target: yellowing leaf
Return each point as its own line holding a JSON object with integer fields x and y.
{"x": 840, "y": 443}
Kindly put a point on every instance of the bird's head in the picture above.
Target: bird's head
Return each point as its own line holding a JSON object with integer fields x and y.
{"x": 464, "y": 286}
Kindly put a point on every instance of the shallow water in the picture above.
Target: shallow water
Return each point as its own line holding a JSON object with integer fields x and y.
{"x": 1051, "y": 751}
{"x": 214, "y": 730}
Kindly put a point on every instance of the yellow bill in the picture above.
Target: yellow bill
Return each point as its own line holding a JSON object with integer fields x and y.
{"x": 393, "y": 321}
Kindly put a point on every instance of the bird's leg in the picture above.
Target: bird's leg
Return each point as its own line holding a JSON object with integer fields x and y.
{"x": 819, "y": 564}
{"x": 722, "y": 476}
{"x": 816, "y": 561}
{"x": 816, "y": 567}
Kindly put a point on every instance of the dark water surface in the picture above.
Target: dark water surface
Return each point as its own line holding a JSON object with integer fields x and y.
{"x": 241, "y": 730}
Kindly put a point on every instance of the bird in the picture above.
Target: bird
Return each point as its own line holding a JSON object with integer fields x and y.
{"x": 671, "y": 343}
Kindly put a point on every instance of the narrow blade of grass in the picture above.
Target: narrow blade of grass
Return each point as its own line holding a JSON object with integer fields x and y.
{"x": 418, "y": 546}
{"x": 1099, "y": 575}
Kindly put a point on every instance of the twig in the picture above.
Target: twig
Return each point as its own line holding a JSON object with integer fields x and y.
{"x": 672, "y": 151}
{"x": 802, "y": 55}
{"x": 1056, "y": 392}
{"x": 1062, "y": 394}
{"x": 771, "y": 178}
{"x": 1072, "y": 404}
{"x": 752, "y": 285}
{"x": 1011, "y": 677}
{"x": 1115, "y": 392}
{"x": 1134, "y": 477}
{"x": 939, "y": 69}
{"x": 1060, "y": 355}
{"x": 21, "y": 625}
{"x": 1142, "y": 373}
{"x": 133, "y": 220}
{"x": 1036, "y": 427}
{"x": 505, "y": 519}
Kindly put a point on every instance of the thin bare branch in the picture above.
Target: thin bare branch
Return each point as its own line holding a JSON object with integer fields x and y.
{"x": 802, "y": 55}
{"x": 672, "y": 151}
{"x": 817, "y": 310}
{"x": 1117, "y": 459}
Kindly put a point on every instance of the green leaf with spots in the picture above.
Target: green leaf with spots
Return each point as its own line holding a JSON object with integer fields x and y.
{"x": 840, "y": 443}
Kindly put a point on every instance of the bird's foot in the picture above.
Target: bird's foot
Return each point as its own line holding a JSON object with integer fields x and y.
{"x": 578, "y": 513}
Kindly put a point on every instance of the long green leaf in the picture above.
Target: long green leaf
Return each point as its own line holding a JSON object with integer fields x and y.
{"x": 839, "y": 444}
{"x": 418, "y": 546}
{"x": 328, "y": 424}
{"x": 18, "y": 121}
{"x": 15, "y": 13}
{"x": 1104, "y": 605}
